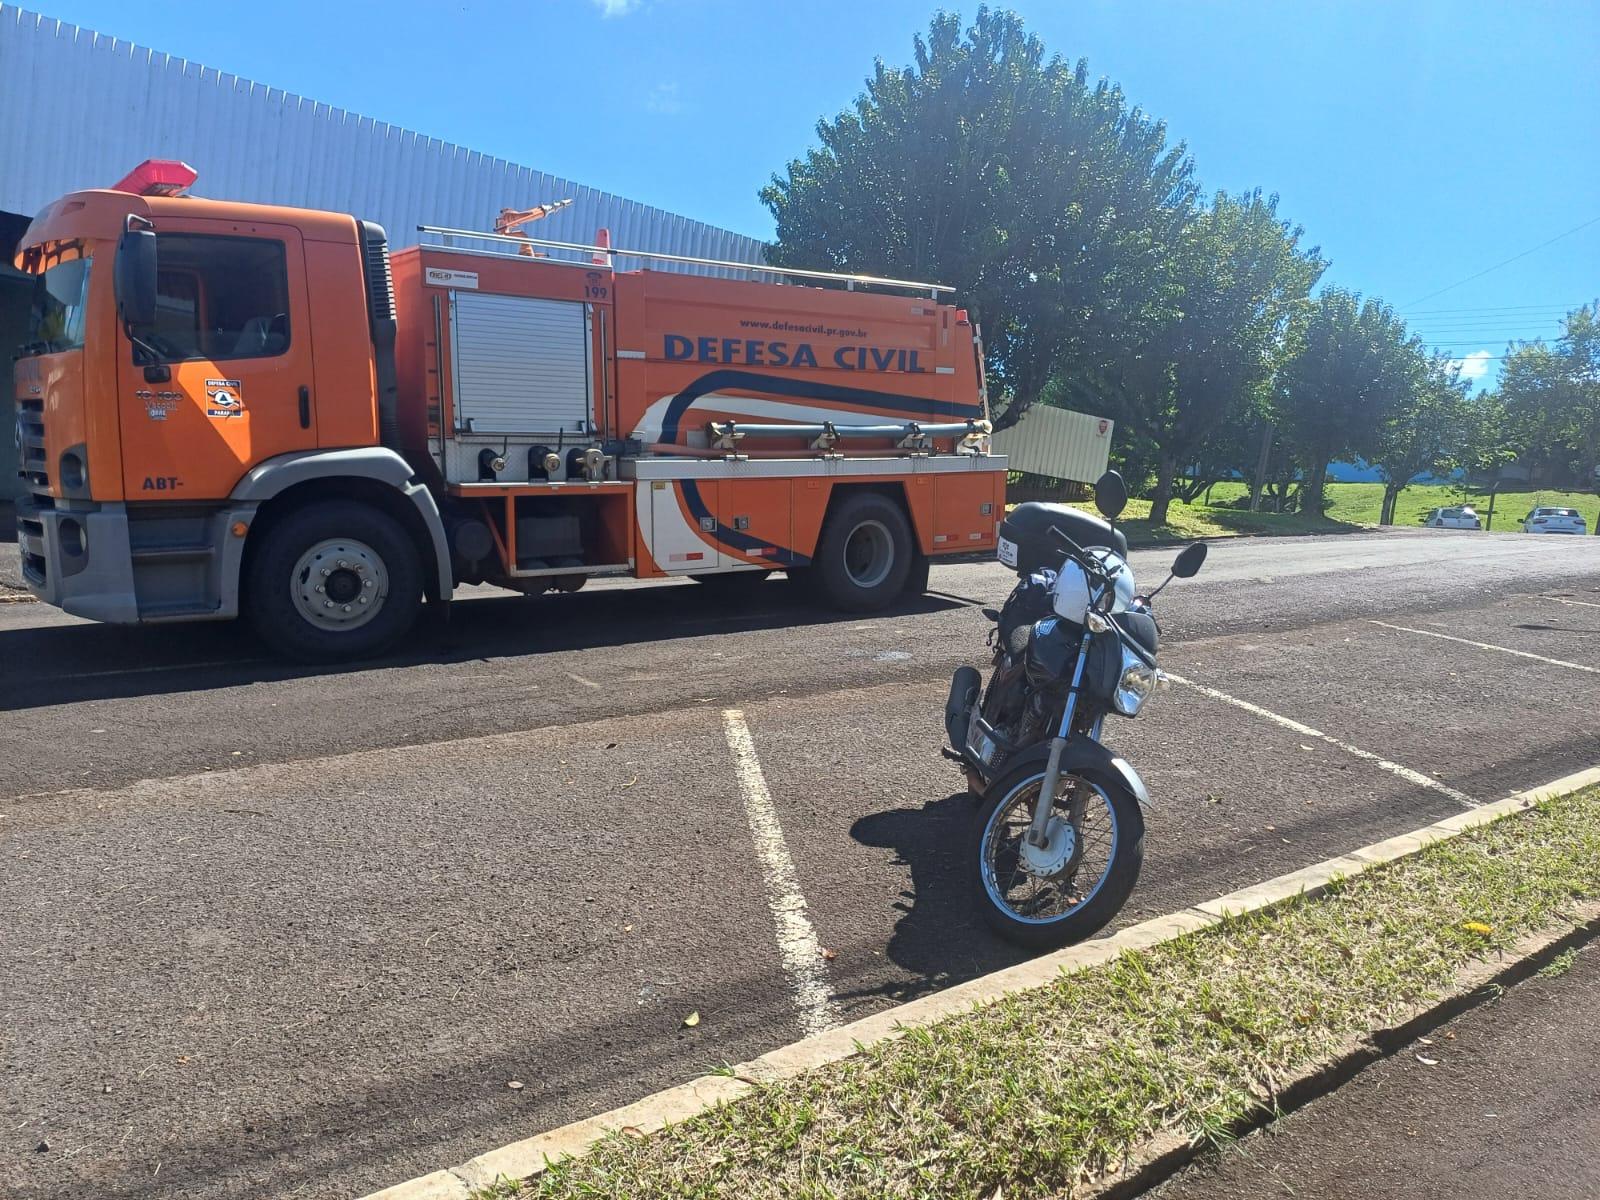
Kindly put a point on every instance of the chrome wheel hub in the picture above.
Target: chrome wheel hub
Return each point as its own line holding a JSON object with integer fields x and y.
{"x": 339, "y": 584}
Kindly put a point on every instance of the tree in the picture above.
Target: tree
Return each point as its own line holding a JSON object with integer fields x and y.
{"x": 1047, "y": 201}
{"x": 1200, "y": 377}
{"x": 1229, "y": 449}
{"x": 1552, "y": 393}
{"x": 1430, "y": 431}
{"x": 1354, "y": 367}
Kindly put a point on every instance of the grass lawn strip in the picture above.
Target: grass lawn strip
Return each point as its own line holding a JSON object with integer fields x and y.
{"x": 1050, "y": 1089}
{"x": 1351, "y": 508}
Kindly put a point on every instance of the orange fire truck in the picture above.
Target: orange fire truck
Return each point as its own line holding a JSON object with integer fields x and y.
{"x": 231, "y": 409}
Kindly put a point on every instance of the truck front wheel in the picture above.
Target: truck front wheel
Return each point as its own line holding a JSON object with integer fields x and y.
{"x": 333, "y": 582}
{"x": 864, "y": 554}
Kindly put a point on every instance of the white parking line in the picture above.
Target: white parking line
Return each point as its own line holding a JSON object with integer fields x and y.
{"x": 1394, "y": 768}
{"x": 797, "y": 940}
{"x": 1554, "y": 662}
{"x": 1580, "y": 603}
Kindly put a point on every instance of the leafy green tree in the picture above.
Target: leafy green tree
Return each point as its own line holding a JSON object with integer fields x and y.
{"x": 1355, "y": 366}
{"x": 1200, "y": 374}
{"x": 1048, "y": 201}
{"x": 1429, "y": 431}
{"x": 1229, "y": 449}
{"x": 1551, "y": 393}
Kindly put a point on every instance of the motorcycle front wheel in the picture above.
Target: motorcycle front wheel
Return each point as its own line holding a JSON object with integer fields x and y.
{"x": 1071, "y": 888}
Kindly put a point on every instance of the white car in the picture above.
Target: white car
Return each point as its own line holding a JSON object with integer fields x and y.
{"x": 1461, "y": 516}
{"x": 1554, "y": 520}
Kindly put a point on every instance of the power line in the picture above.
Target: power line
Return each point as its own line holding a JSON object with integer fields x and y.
{"x": 1486, "y": 330}
{"x": 1479, "y": 343}
{"x": 1493, "y": 319}
{"x": 1507, "y": 262}
{"x": 1498, "y": 308}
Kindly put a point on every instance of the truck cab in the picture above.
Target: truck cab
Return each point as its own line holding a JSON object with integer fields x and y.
{"x": 195, "y": 371}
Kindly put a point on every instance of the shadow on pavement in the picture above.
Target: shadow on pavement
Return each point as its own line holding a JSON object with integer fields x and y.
{"x": 940, "y": 937}
{"x": 59, "y": 664}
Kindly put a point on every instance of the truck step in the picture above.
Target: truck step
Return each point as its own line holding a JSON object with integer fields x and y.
{"x": 175, "y": 611}
{"x": 153, "y": 554}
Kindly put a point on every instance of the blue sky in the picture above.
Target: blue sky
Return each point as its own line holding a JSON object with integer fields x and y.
{"x": 1418, "y": 141}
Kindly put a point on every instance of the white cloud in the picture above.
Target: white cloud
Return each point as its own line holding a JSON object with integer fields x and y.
{"x": 664, "y": 99}
{"x": 616, "y": 8}
{"x": 1475, "y": 365}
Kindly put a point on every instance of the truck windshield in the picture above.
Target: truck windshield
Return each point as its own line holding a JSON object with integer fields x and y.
{"x": 56, "y": 314}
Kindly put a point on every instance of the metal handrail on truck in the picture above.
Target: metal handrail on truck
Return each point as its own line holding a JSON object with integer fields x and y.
{"x": 850, "y": 281}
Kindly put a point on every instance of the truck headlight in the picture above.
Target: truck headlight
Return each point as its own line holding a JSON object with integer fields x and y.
{"x": 1134, "y": 687}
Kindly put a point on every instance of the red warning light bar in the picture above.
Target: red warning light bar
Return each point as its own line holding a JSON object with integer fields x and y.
{"x": 157, "y": 177}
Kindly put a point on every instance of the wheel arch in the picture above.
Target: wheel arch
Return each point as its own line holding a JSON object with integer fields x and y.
{"x": 893, "y": 490}
{"x": 375, "y": 476}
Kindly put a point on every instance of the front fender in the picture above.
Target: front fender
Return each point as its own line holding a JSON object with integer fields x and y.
{"x": 1084, "y": 754}
{"x": 378, "y": 464}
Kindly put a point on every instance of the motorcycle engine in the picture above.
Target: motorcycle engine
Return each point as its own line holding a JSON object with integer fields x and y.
{"x": 1010, "y": 704}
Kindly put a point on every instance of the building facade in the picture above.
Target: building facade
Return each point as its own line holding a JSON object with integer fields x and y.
{"x": 79, "y": 110}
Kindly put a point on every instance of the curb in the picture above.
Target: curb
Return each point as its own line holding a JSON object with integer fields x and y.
{"x": 530, "y": 1156}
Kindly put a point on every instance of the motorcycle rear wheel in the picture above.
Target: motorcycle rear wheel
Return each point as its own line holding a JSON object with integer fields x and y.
{"x": 1046, "y": 912}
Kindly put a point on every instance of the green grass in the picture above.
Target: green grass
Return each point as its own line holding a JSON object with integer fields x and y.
{"x": 1352, "y": 506}
{"x": 1560, "y": 964}
{"x": 1186, "y": 522}
{"x": 1050, "y": 1088}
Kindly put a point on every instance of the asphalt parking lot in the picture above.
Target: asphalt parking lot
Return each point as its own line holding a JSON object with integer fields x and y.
{"x": 278, "y": 932}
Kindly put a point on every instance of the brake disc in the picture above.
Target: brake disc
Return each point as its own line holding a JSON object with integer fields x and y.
{"x": 1058, "y": 854}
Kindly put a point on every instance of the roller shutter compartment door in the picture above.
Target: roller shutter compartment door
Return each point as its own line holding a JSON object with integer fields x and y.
{"x": 521, "y": 364}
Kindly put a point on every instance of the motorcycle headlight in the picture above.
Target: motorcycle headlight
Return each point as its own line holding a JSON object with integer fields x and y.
{"x": 1134, "y": 687}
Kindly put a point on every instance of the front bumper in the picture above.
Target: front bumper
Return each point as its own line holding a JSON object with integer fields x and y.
{"x": 75, "y": 555}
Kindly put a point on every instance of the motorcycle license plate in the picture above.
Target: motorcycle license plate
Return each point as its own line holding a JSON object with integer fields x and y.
{"x": 1007, "y": 553}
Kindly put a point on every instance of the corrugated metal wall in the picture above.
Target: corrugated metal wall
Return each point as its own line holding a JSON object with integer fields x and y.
{"x": 1058, "y": 444}
{"x": 78, "y": 109}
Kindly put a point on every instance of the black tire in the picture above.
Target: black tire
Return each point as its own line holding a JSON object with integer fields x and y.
{"x": 1121, "y": 875}
{"x": 917, "y": 577}
{"x": 864, "y": 554}
{"x": 272, "y": 582}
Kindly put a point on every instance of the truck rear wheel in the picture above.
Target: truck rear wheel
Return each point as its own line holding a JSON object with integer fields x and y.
{"x": 864, "y": 555}
{"x": 333, "y": 582}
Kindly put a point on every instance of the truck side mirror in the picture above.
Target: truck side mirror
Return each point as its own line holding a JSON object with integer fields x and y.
{"x": 135, "y": 278}
{"x": 1110, "y": 495}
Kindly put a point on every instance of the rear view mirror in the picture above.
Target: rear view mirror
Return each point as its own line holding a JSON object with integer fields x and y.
{"x": 1110, "y": 495}
{"x": 134, "y": 277}
{"x": 1189, "y": 560}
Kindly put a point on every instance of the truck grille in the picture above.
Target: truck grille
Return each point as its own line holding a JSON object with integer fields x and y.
{"x": 30, "y": 533}
{"x": 33, "y": 466}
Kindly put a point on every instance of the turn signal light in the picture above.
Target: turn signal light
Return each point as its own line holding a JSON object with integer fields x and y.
{"x": 157, "y": 177}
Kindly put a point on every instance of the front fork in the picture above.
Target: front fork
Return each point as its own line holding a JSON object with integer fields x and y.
{"x": 1038, "y": 829}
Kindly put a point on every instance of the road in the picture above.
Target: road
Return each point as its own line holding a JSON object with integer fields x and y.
{"x": 284, "y": 932}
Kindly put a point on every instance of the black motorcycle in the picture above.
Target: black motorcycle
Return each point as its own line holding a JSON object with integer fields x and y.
{"x": 1059, "y": 835}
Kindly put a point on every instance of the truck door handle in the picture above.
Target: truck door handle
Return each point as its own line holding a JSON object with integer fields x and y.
{"x": 305, "y": 407}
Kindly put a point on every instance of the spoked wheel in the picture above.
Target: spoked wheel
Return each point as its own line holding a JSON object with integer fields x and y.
{"x": 1073, "y": 885}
